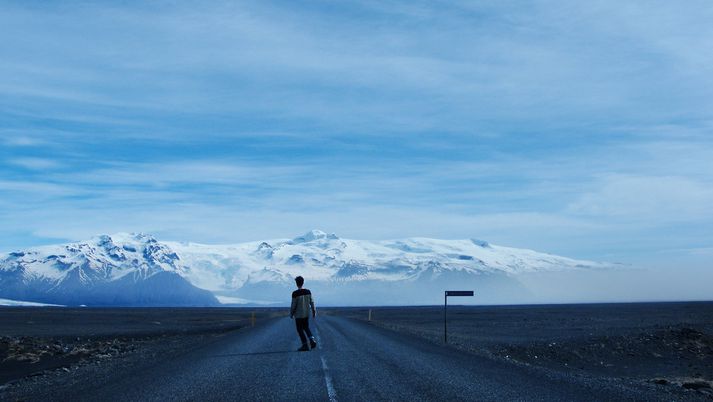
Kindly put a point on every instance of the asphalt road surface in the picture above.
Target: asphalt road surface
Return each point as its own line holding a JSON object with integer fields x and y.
{"x": 354, "y": 361}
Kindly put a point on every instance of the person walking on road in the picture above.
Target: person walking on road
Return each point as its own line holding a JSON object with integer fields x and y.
{"x": 302, "y": 306}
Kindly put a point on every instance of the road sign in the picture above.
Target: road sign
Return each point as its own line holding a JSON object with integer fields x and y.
{"x": 459, "y": 293}
{"x": 445, "y": 308}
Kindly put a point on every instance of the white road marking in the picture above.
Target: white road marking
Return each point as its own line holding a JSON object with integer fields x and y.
{"x": 327, "y": 377}
{"x": 328, "y": 380}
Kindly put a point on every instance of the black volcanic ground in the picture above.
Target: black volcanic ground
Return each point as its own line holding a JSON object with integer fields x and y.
{"x": 666, "y": 345}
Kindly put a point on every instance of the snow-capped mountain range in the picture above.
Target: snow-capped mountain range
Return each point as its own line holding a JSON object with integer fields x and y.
{"x": 137, "y": 269}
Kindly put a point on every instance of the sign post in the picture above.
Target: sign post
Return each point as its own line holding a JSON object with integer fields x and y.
{"x": 445, "y": 309}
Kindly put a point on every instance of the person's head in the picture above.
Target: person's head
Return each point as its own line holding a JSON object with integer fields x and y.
{"x": 299, "y": 281}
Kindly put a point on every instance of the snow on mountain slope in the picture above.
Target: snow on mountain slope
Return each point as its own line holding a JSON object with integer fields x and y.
{"x": 136, "y": 269}
{"x": 265, "y": 269}
{"x": 107, "y": 270}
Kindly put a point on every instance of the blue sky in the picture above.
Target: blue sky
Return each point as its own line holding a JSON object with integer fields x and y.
{"x": 577, "y": 128}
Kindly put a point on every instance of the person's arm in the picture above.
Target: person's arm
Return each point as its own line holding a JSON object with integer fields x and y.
{"x": 311, "y": 304}
{"x": 293, "y": 308}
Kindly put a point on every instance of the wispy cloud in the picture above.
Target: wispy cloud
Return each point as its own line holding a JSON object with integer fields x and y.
{"x": 650, "y": 199}
{"x": 388, "y": 72}
{"x": 35, "y": 163}
{"x": 22, "y": 141}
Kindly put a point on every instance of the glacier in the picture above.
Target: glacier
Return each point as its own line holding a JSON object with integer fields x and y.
{"x": 135, "y": 269}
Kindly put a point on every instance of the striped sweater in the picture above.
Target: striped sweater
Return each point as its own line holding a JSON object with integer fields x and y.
{"x": 302, "y": 304}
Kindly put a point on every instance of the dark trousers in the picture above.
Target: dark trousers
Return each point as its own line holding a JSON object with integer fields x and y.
{"x": 303, "y": 328}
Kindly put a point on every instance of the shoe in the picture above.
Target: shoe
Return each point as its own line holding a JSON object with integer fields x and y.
{"x": 303, "y": 348}
{"x": 312, "y": 344}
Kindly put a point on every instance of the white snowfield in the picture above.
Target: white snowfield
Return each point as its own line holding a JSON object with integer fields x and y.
{"x": 321, "y": 256}
{"x": 260, "y": 271}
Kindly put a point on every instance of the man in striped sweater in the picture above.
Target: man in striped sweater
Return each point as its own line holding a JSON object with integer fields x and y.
{"x": 302, "y": 306}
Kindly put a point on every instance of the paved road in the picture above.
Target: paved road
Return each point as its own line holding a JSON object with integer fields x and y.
{"x": 354, "y": 362}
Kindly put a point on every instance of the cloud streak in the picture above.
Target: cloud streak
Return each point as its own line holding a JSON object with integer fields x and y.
{"x": 396, "y": 73}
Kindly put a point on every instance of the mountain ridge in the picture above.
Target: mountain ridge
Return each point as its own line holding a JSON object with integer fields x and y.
{"x": 137, "y": 269}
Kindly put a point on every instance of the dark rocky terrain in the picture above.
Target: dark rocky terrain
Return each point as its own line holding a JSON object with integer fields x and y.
{"x": 46, "y": 340}
{"x": 668, "y": 345}
{"x": 665, "y": 348}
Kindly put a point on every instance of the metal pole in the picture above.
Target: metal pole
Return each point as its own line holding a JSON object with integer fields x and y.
{"x": 445, "y": 318}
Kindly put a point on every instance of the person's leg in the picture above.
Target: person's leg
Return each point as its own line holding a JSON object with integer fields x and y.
{"x": 300, "y": 330}
{"x": 306, "y": 328}
{"x": 312, "y": 342}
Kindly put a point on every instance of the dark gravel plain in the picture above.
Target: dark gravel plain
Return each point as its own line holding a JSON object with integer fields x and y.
{"x": 666, "y": 344}
{"x": 37, "y": 340}
{"x": 664, "y": 348}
